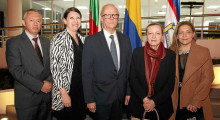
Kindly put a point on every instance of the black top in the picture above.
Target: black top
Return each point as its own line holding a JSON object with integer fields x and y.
{"x": 77, "y": 57}
{"x": 76, "y": 87}
{"x": 76, "y": 82}
{"x": 182, "y": 63}
{"x": 164, "y": 85}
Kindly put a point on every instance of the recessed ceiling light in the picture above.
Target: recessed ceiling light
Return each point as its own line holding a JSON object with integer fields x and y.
{"x": 161, "y": 13}
{"x": 46, "y": 8}
{"x": 39, "y": 4}
{"x": 213, "y": 6}
{"x": 82, "y": 7}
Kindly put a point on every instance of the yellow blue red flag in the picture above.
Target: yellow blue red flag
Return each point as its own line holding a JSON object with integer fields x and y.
{"x": 132, "y": 22}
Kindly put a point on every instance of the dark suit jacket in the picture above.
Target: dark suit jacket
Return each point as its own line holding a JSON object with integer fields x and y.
{"x": 163, "y": 87}
{"x": 101, "y": 82}
{"x": 27, "y": 70}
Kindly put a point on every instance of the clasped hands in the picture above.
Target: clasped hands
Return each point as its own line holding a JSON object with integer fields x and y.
{"x": 47, "y": 87}
{"x": 148, "y": 104}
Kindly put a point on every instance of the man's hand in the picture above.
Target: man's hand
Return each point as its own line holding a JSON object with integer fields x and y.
{"x": 92, "y": 107}
{"x": 127, "y": 98}
{"x": 47, "y": 86}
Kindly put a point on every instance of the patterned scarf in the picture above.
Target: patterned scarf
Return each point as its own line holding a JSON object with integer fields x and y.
{"x": 152, "y": 65}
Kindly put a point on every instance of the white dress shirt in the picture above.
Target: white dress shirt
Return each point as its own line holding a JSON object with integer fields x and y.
{"x": 109, "y": 40}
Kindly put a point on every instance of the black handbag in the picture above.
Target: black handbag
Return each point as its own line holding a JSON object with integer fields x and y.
{"x": 184, "y": 114}
{"x": 153, "y": 115}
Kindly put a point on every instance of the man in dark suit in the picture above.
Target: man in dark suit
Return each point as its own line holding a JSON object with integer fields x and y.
{"x": 28, "y": 61}
{"x": 105, "y": 66}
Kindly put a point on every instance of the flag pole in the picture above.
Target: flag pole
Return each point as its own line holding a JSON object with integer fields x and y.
{"x": 100, "y": 28}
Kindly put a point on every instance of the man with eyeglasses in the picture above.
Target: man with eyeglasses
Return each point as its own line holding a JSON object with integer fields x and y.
{"x": 105, "y": 67}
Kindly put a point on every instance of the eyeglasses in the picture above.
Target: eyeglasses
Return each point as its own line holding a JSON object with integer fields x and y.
{"x": 108, "y": 16}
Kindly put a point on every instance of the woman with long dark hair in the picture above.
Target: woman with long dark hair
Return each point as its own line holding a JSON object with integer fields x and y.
{"x": 66, "y": 59}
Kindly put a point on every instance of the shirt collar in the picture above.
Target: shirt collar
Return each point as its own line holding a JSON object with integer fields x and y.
{"x": 30, "y": 36}
{"x": 107, "y": 34}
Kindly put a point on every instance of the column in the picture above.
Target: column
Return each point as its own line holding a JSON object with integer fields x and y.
{"x": 14, "y": 14}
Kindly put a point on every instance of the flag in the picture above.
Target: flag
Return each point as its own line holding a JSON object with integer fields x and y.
{"x": 93, "y": 16}
{"x": 132, "y": 22}
{"x": 171, "y": 20}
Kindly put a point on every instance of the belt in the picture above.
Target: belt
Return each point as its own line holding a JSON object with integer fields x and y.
{"x": 180, "y": 84}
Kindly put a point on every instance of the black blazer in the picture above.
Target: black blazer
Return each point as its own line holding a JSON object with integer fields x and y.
{"x": 27, "y": 70}
{"x": 101, "y": 82}
{"x": 163, "y": 87}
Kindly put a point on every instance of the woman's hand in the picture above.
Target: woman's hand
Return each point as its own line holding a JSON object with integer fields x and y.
{"x": 148, "y": 104}
{"x": 66, "y": 100}
{"x": 127, "y": 98}
{"x": 191, "y": 108}
{"x": 146, "y": 99}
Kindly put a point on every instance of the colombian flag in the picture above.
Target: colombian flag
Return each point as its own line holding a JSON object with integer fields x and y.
{"x": 132, "y": 22}
{"x": 93, "y": 16}
{"x": 171, "y": 20}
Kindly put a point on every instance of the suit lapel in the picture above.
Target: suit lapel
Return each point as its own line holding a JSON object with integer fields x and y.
{"x": 44, "y": 49}
{"x": 29, "y": 46}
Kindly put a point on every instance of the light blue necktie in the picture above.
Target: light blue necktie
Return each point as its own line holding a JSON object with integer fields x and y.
{"x": 114, "y": 52}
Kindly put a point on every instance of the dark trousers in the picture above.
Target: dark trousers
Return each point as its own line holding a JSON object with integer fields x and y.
{"x": 109, "y": 112}
{"x": 70, "y": 113}
{"x": 41, "y": 112}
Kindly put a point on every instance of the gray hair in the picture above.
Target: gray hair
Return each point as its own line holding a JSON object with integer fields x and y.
{"x": 30, "y": 10}
{"x": 108, "y": 5}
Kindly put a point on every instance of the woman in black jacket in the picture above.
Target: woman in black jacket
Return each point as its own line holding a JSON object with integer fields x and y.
{"x": 152, "y": 77}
